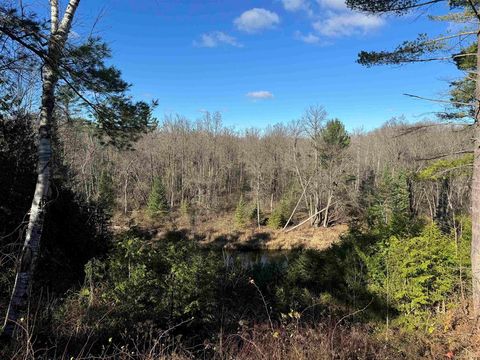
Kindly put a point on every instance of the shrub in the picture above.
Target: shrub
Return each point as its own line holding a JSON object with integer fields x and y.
{"x": 418, "y": 273}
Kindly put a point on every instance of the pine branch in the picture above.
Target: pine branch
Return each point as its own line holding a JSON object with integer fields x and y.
{"x": 380, "y": 7}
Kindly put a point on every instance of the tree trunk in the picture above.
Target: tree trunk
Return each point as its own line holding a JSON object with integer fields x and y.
{"x": 304, "y": 221}
{"x": 441, "y": 215}
{"x": 33, "y": 235}
{"x": 296, "y": 206}
{"x": 125, "y": 198}
{"x": 475, "y": 252}
{"x": 258, "y": 213}
{"x": 411, "y": 198}
{"x": 31, "y": 246}
{"x": 325, "y": 219}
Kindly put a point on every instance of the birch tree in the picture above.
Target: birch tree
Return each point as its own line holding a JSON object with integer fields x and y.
{"x": 99, "y": 88}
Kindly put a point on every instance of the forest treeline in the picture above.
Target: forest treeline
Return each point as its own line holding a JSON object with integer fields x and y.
{"x": 314, "y": 161}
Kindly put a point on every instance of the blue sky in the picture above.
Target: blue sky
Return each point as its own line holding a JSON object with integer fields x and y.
{"x": 263, "y": 62}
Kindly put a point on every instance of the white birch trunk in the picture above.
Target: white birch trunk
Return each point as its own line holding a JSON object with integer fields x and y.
{"x": 31, "y": 246}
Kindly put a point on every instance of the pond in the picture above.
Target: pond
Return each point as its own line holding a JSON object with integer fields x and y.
{"x": 249, "y": 259}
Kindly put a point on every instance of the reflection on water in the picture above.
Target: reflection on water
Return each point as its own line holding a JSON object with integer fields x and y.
{"x": 249, "y": 259}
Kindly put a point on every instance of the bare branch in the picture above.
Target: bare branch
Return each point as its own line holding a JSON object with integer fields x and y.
{"x": 439, "y": 101}
{"x": 443, "y": 38}
{"x": 444, "y": 155}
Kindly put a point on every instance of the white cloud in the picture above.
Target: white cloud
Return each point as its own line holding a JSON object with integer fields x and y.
{"x": 347, "y": 23}
{"x": 255, "y": 20}
{"x": 216, "y": 38}
{"x": 260, "y": 95}
{"x": 298, "y": 5}
{"x": 295, "y": 5}
{"x": 307, "y": 38}
{"x": 333, "y": 4}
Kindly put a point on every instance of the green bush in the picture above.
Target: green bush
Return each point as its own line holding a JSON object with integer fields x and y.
{"x": 418, "y": 273}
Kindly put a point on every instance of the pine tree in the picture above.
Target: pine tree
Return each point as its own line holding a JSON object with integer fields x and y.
{"x": 241, "y": 213}
{"x": 277, "y": 218}
{"x": 280, "y": 214}
{"x": 106, "y": 192}
{"x": 184, "y": 209}
{"x": 157, "y": 201}
{"x": 335, "y": 139}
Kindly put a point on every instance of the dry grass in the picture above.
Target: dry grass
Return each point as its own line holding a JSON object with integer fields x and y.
{"x": 218, "y": 234}
{"x": 219, "y": 231}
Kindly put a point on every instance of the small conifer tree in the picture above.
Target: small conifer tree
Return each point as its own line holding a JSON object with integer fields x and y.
{"x": 277, "y": 219}
{"x": 184, "y": 209}
{"x": 241, "y": 213}
{"x": 280, "y": 214}
{"x": 106, "y": 192}
{"x": 157, "y": 201}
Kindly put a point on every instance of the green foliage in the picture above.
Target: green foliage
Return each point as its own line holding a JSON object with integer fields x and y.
{"x": 334, "y": 139}
{"x": 278, "y": 218}
{"x": 464, "y": 61}
{"x": 462, "y": 233}
{"x": 174, "y": 284}
{"x": 390, "y": 211}
{"x": 120, "y": 121}
{"x": 185, "y": 210}
{"x": 395, "y": 6}
{"x": 335, "y": 135}
{"x": 446, "y": 167}
{"x": 416, "y": 273}
{"x": 97, "y": 87}
{"x": 462, "y": 96}
{"x": 253, "y": 216}
{"x": 407, "y": 52}
{"x": 106, "y": 191}
{"x": 88, "y": 62}
{"x": 424, "y": 49}
{"x": 157, "y": 205}
{"x": 372, "y": 6}
{"x": 462, "y": 91}
{"x": 241, "y": 213}
{"x": 171, "y": 283}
